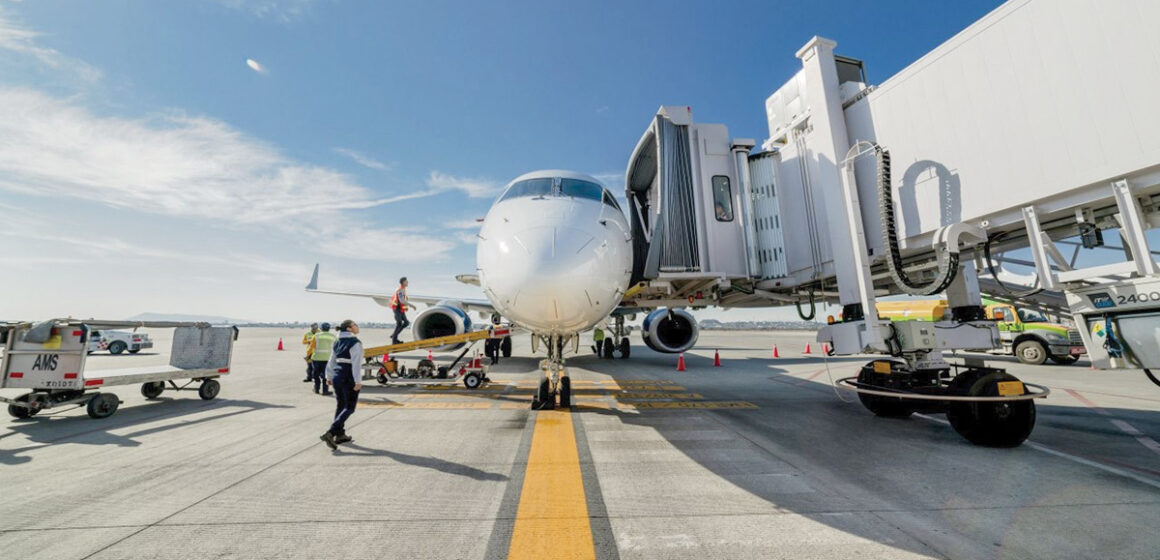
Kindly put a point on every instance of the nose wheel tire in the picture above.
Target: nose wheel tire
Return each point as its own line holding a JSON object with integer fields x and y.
{"x": 565, "y": 392}
{"x": 625, "y": 348}
{"x": 544, "y": 400}
{"x": 991, "y": 424}
{"x": 102, "y": 405}
{"x": 505, "y": 347}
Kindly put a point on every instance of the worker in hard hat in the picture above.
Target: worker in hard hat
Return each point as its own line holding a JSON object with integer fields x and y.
{"x": 344, "y": 372}
{"x": 399, "y": 306}
{"x": 319, "y": 352}
{"x": 598, "y": 341}
{"x": 306, "y": 338}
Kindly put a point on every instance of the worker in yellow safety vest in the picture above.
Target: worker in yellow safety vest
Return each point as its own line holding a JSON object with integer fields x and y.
{"x": 399, "y": 306}
{"x": 598, "y": 341}
{"x": 320, "y": 347}
{"x": 306, "y": 338}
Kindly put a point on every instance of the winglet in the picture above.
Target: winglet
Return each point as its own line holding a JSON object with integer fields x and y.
{"x": 313, "y": 285}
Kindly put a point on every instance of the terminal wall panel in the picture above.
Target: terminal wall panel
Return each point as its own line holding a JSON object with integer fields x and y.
{"x": 1040, "y": 102}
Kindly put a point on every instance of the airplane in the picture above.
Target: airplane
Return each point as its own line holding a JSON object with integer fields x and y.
{"x": 554, "y": 257}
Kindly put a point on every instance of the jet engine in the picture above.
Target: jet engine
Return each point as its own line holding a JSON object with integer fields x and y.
{"x": 670, "y": 330}
{"x": 443, "y": 319}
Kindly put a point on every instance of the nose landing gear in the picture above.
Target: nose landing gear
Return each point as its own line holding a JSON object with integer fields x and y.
{"x": 556, "y": 382}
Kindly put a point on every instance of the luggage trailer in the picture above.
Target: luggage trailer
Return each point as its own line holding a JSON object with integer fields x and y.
{"x": 43, "y": 365}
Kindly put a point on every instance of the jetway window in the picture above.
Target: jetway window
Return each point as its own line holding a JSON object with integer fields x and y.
{"x": 529, "y": 188}
{"x": 722, "y": 199}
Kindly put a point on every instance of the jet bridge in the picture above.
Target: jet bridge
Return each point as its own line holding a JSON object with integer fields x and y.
{"x": 1033, "y": 125}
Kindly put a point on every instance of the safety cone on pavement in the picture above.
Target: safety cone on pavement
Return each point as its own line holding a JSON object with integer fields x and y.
{"x": 681, "y": 362}
{"x": 826, "y": 348}
{"x": 716, "y": 358}
{"x": 280, "y": 344}
{"x": 775, "y": 354}
{"x": 807, "y": 349}
{"x": 430, "y": 357}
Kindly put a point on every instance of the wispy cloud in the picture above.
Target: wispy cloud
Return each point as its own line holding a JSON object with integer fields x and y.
{"x": 613, "y": 180}
{"x": 284, "y": 11}
{"x": 23, "y": 41}
{"x": 474, "y": 188}
{"x": 363, "y": 159}
{"x": 390, "y": 245}
{"x": 256, "y": 66}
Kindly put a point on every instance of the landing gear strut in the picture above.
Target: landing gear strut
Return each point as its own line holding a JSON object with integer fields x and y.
{"x": 618, "y": 339}
{"x": 555, "y": 381}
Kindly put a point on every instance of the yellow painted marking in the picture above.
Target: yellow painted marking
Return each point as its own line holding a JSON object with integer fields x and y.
{"x": 658, "y": 395}
{"x": 881, "y": 367}
{"x": 1008, "y": 388}
{"x": 698, "y": 405}
{"x": 552, "y": 519}
{"x": 378, "y": 404}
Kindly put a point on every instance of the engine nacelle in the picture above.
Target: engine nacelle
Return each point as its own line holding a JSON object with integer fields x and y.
{"x": 443, "y": 319}
{"x": 670, "y": 330}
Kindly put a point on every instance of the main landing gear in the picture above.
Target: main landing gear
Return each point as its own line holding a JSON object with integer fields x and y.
{"x": 987, "y": 406}
{"x": 556, "y": 382}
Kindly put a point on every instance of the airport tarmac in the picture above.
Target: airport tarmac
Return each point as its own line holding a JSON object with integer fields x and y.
{"x": 758, "y": 458}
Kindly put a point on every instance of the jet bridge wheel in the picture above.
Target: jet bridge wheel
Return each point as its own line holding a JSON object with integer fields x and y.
{"x": 153, "y": 389}
{"x": 991, "y": 424}
{"x": 544, "y": 399}
{"x": 103, "y": 405}
{"x": 210, "y": 389}
{"x": 885, "y": 407}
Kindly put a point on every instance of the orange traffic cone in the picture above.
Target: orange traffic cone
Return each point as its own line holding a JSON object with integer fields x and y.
{"x": 681, "y": 362}
{"x": 280, "y": 344}
{"x": 430, "y": 357}
{"x": 826, "y": 348}
{"x": 807, "y": 349}
{"x": 775, "y": 354}
{"x": 716, "y": 358}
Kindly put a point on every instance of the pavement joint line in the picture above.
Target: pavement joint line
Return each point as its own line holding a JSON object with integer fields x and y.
{"x": 499, "y": 542}
{"x": 1123, "y": 426}
{"x": 603, "y": 537}
{"x": 220, "y": 490}
{"x": 1073, "y": 458}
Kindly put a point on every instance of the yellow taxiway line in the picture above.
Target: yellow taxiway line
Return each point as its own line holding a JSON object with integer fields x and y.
{"x": 552, "y": 518}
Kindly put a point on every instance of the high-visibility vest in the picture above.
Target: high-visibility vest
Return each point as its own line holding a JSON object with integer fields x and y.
{"x": 598, "y": 335}
{"x": 306, "y": 337}
{"x": 323, "y": 342}
{"x": 395, "y": 304}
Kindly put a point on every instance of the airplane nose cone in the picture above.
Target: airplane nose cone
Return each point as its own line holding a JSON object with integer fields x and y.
{"x": 548, "y": 275}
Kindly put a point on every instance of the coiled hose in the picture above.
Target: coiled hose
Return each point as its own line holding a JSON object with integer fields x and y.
{"x": 948, "y": 261}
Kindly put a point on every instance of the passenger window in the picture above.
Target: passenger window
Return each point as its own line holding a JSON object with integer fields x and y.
{"x": 722, "y": 199}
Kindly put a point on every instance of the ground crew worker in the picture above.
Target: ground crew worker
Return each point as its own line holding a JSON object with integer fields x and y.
{"x": 306, "y": 341}
{"x": 598, "y": 340}
{"x": 319, "y": 350}
{"x": 399, "y": 305}
{"x": 344, "y": 372}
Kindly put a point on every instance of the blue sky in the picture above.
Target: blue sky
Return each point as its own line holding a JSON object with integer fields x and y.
{"x": 145, "y": 166}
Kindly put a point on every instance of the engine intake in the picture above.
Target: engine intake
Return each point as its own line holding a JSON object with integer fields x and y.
{"x": 670, "y": 330}
{"x": 443, "y": 319}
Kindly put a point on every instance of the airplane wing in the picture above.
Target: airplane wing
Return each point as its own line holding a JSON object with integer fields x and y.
{"x": 385, "y": 299}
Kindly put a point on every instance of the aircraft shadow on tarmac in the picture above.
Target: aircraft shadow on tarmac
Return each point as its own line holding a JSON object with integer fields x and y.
{"x": 44, "y": 430}
{"x": 449, "y": 467}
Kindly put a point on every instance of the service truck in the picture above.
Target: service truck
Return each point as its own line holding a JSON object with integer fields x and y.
{"x": 1026, "y": 333}
{"x": 117, "y": 342}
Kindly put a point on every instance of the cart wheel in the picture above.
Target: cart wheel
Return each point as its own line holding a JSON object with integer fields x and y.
{"x": 442, "y": 372}
{"x": 472, "y": 380}
{"x": 153, "y": 390}
{"x": 382, "y": 378}
{"x": 565, "y": 392}
{"x": 209, "y": 389}
{"x": 103, "y": 405}
{"x": 20, "y": 412}
{"x": 401, "y": 371}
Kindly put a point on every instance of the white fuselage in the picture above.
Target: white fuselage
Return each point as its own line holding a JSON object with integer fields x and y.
{"x": 553, "y": 263}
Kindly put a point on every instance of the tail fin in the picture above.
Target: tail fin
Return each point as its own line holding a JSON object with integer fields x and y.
{"x": 313, "y": 285}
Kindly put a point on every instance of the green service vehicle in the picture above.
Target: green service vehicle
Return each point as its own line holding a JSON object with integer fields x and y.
{"x": 1025, "y": 333}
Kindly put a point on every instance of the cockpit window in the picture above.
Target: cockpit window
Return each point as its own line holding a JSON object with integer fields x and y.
{"x": 549, "y": 186}
{"x": 529, "y": 188}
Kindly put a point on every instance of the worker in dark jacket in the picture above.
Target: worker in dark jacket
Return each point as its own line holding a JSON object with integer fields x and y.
{"x": 399, "y": 305}
{"x": 344, "y": 372}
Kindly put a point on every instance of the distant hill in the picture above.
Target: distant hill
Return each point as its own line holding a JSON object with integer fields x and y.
{"x": 214, "y": 319}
